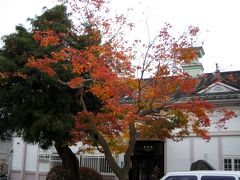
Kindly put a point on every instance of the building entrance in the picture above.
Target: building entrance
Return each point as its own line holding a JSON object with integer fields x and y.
{"x": 148, "y": 160}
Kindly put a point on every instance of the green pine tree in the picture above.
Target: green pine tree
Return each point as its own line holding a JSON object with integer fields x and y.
{"x": 38, "y": 108}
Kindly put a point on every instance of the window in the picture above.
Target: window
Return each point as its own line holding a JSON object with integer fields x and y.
{"x": 227, "y": 164}
{"x": 218, "y": 178}
{"x": 44, "y": 157}
{"x": 182, "y": 178}
{"x": 231, "y": 164}
{"x": 237, "y": 164}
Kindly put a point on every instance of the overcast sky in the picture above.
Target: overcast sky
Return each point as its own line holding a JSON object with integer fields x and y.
{"x": 218, "y": 21}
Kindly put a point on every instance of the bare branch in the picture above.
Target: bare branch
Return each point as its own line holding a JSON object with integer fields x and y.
{"x": 115, "y": 34}
{"x": 79, "y": 97}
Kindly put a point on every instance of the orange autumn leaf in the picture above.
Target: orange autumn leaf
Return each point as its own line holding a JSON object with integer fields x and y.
{"x": 75, "y": 82}
{"x": 46, "y": 38}
{"x": 41, "y": 64}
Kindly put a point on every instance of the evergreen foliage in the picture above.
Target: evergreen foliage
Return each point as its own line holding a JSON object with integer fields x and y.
{"x": 36, "y": 107}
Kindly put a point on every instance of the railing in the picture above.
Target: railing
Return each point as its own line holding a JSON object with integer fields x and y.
{"x": 55, "y": 160}
{"x": 96, "y": 162}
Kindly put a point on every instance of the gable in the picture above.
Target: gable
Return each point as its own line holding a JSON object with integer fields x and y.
{"x": 218, "y": 87}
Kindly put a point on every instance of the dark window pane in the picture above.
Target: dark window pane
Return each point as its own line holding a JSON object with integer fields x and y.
{"x": 228, "y": 164}
{"x": 182, "y": 178}
{"x": 217, "y": 178}
{"x": 237, "y": 164}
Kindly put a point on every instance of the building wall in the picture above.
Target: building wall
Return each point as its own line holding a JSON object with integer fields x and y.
{"x": 177, "y": 158}
{"x": 224, "y": 143}
{"x": 27, "y": 165}
{"x": 206, "y": 150}
{"x": 231, "y": 146}
{"x": 178, "y": 155}
{"x": 5, "y": 156}
{"x": 18, "y": 147}
{"x": 4, "y": 150}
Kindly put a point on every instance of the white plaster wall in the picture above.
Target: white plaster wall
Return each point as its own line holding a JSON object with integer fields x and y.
{"x": 31, "y": 157}
{"x": 17, "y": 153}
{"x": 5, "y": 150}
{"x": 44, "y": 166}
{"x": 75, "y": 148}
{"x": 177, "y": 155}
{"x": 214, "y": 118}
{"x": 231, "y": 125}
{"x": 234, "y": 123}
{"x": 231, "y": 145}
{"x": 206, "y": 150}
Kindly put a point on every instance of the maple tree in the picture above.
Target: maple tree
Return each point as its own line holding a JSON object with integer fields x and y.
{"x": 114, "y": 102}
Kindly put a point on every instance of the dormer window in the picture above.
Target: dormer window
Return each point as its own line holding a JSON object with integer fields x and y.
{"x": 218, "y": 89}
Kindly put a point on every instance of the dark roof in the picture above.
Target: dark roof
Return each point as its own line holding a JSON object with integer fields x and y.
{"x": 231, "y": 78}
{"x": 220, "y": 96}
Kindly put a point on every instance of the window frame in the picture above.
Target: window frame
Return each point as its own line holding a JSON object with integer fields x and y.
{"x": 233, "y": 163}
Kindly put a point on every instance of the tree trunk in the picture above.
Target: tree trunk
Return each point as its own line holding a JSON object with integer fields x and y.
{"x": 69, "y": 161}
{"x": 127, "y": 157}
{"x": 121, "y": 173}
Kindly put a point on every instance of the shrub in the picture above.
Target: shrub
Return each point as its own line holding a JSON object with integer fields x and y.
{"x": 57, "y": 173}
{"x": 89, "y": 174}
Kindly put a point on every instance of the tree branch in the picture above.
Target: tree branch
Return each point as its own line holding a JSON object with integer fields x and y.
{"x": 129, "y": 151}
{"x": 108, "y": 154}
{"x": 79, "y": 97}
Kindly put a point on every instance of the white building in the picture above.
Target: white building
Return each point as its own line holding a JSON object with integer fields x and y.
{"x": 223, "y": 150}
{"x": 29, "y": 162}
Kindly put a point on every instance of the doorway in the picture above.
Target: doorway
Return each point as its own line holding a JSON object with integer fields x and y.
{"x": 148, "y": 160}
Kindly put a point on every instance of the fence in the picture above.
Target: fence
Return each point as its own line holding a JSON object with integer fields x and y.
{"x": 96, "y": 162}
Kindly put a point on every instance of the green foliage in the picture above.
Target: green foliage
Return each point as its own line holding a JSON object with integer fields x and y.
{"x": 18, "y": 46}
{"x": 56, "y": 19}
{"x": 35, "y": 107}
